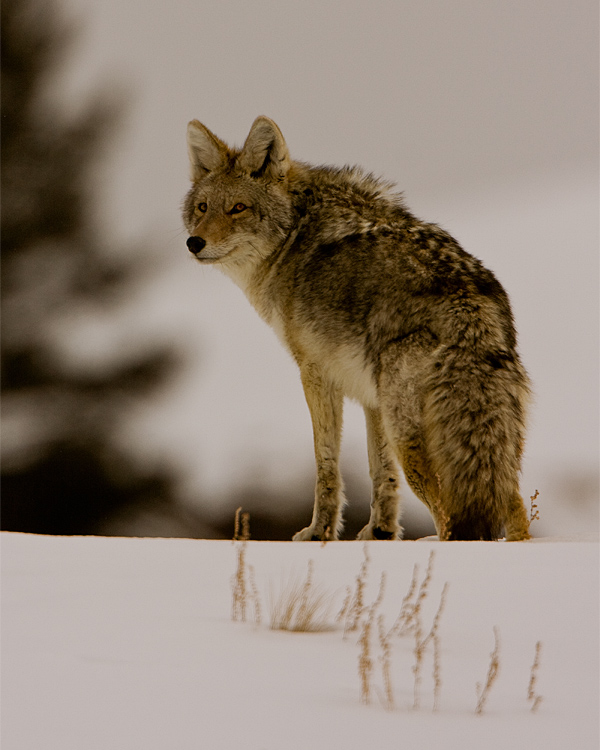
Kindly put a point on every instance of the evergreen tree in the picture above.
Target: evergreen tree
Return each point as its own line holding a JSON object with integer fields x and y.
{"x": 61, "y": 470}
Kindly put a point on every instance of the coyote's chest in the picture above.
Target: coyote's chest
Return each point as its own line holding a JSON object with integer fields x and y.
{"x": 344, "y": 362}
{"x": 341, "y": 356}
{"x": 348, "y": 369}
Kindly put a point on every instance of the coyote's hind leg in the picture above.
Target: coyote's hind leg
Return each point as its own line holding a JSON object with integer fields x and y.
{"x": 383, "y": 523}
{"x": 423, "y": 483}
{"x": 517, "y": 522}
{"x": 405, "y": 365}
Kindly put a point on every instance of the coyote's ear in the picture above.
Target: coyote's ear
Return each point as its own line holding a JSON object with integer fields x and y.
{"x": 265, "y": 151}
{"x": 206, "y": 151}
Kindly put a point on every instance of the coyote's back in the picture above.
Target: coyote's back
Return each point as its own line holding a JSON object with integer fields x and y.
{"x": 378, "y": 306}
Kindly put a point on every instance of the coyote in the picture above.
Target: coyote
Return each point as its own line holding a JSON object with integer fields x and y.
{"x": 377, "y": 306}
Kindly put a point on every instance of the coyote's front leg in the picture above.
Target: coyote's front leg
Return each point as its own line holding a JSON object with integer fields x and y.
{"x": 325, "y": 402}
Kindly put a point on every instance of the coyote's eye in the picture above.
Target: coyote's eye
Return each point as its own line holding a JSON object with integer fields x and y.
{"x": 238, "y": 208}
{"x": 202, "y": 207}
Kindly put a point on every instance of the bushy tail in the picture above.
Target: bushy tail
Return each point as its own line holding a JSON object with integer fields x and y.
{"x": 474, "y": 418}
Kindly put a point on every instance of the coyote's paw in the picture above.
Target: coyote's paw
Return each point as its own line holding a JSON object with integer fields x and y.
{"x": 316, "y": 534}
{"x": 309, "y": 534}
{"x": 517, "y": 535}
{"x": 375, "y": 532}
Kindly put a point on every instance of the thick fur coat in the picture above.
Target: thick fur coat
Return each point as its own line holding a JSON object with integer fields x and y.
{"x": 380, "y": 307}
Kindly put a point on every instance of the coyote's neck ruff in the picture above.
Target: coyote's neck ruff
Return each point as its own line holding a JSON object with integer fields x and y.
{"x": 377, "y": 306}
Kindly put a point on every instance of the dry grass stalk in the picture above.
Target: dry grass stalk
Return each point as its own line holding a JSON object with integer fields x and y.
{"x": 385, "y": 659}
{"x": 254, "y": 596}
{"x": 345, "y": 605}
{"x": 238, "y": 583}
{"x": 236, "y": 524}
{"x": 354, "y": 607}
{"x": 238, "y": 586}
{"x": 424, "y": 585}
{"x": 402, "y": 624}
{"x": 419, "y": 652}
{"x": 301, "y": 607}
{"x": 436, "y": 620}
{"x": 409, "y": 618}
{"x": 493, "y": 670}
{"x": 245, "y": 527}
{"x": 420, "y": 647}
{"x": 242, "y": 519}
{"x": 365, "y": 663}
{"x": 380, "y": 594}
{"x": 437, "y": 674}
{"x": 532, "y": 696}
{"x": 534, "y": 513}
{"x": 409, "y": 622}
{"x": 303, "y": 613}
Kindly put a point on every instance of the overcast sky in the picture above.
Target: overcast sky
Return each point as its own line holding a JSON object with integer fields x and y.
{"x": 484, "y": 113}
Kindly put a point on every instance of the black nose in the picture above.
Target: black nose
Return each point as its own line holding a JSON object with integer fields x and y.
{"x": 195, "y": 244}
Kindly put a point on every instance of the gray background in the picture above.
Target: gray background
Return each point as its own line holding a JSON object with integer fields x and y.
{"x": 484, "y": 113}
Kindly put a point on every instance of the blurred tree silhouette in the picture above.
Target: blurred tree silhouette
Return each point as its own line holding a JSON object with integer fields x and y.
{"x": 61, "y": 470}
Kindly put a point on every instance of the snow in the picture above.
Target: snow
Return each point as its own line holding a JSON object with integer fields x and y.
{"x": 129, "y": 643}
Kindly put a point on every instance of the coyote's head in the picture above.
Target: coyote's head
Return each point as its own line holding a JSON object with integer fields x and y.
{"x": 239, "y": 207}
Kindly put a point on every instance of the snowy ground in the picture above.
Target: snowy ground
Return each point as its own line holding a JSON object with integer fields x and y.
{"x": 129, "y": 643}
